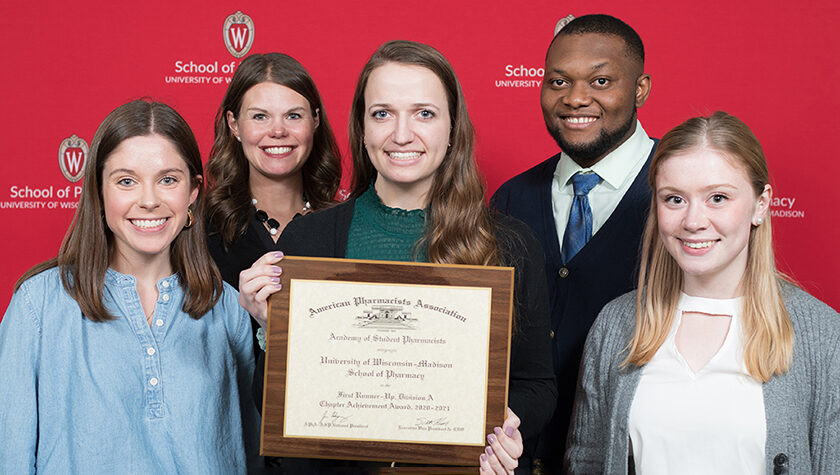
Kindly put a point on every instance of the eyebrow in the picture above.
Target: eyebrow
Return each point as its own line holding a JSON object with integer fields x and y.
{"x": 594, "y": 68}
{"x": 416, "y": 104}
{"x": 705, "y": 188}
{"x": 168, "y": 171}
{"x": 260, "y": 109}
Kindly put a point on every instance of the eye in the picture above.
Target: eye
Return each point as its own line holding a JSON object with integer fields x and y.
{"x": 674, "y": 200}
{"x": 294, "y": 115}
{"x": 379, "y": 114}
{"x": 169, "y": 180}
{"x": 426, "y": 114}
{"x": 718, "y": 198}
{"x": 259, "y": 116}
{"x": 601, "y": 82}
{"x": 558, "y": 82}
{"x": 125, "y": 182}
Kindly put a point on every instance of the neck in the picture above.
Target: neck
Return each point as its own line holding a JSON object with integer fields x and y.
{"x": 403, "y": 197}
{"x": 713, "y": 288}
{"x": 144, "y": 270}
{"x": 279, "y": 197}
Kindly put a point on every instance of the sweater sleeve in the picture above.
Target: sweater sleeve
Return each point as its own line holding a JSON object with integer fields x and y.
{"x": 825, "y": 422}
{"x": 19, "y": 349}
{"x": 533, "y": 391}
{"x": 589, "y": 432}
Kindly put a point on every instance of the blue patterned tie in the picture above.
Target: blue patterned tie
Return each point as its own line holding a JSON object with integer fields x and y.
{"x": 579, "y": 230}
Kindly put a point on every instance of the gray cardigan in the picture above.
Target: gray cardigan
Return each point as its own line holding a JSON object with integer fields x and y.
{"x": 802, "y": 406}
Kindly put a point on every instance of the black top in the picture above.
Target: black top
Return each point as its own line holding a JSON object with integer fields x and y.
{"x": 532, "y": 391}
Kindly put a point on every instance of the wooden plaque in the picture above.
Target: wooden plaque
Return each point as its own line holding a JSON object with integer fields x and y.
{"x": 386, "y": 361}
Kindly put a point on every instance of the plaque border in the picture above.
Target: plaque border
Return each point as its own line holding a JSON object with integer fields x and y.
{"x": 498, "y": 279}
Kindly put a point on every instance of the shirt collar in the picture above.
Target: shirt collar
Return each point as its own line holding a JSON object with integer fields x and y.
{"x": 616, "y": 167}
{"x": 124, "y": 280}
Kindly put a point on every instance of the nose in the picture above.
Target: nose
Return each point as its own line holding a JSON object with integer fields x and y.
{"x": 149, "y": 198}
{"x": 577, "y": 95}
{"x": 278, "y": 129}
{"x": 403, "y": 132}
{"x": 695, "y": 218}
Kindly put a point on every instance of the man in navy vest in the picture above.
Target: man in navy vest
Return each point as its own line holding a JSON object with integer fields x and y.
{"x": 587, "y": 204}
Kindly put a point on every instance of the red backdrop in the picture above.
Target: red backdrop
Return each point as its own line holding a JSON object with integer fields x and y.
{"x": 69, "y": 63}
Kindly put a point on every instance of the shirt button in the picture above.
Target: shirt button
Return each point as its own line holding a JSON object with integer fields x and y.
{"x": 153, "y": 381}
{"x": 563, "y": 272}
{"x": 165, "y": 284}
{"x": 551, "y": 333}
{"x": 159, "y": 322}
{"x": 150, "y": 351}
{"x": 166, "y": 297}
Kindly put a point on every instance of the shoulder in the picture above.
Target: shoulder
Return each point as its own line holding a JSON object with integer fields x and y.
{"x": 319, "y": 220}
{"x": 228, "y": 309}
{"x": 43, "y": 283}
{"x": 809, "y": 315}
{"x": 539, "y": 173}
{"x": 515, "y": 238}
{"x": 41, "y": 295}
{"x": 618, "y": 317}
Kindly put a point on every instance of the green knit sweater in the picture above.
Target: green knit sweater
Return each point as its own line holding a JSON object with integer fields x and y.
{"x": 382, "y": 233}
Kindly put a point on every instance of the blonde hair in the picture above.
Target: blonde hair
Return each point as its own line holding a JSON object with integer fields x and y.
{"x": 768, "y": 332}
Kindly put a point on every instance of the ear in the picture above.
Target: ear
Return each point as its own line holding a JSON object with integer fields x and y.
{"x": 642, "y": 89}
{"x": 762, "y": 205}
{"x": 197, "y": 181}
{"x": 232, "y": 124}
{"x": 317, "y": 117}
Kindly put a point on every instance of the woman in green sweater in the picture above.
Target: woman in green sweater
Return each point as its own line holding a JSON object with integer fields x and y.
{"x": 417, "y": 196}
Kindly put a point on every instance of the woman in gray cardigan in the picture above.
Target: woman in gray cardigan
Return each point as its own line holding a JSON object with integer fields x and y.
{"x": 720, "y": 365}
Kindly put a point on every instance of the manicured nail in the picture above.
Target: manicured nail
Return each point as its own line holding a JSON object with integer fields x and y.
{"x": 278, "y": 255}
{"x": 488, "y": 450}
{"x": 279, "y": 286}
{"x": 491, "y": 438}
{"x": 276, "y": 280}
{"x": 483, "y": 457}
{"x": 509, "y": 431}
{"x": 497, "y": 430}
{"x": 276, "y": 270}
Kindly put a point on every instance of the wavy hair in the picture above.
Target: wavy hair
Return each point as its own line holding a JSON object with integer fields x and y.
{"x": 84, "y": 254}
{"x": 768, "y": 331}
{"x": 228, "y": 201}
{"x": 460, "y": 228}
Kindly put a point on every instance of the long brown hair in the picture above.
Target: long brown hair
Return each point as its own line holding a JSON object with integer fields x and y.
{"x": 768, "y": 332}
{"x": 460, "y": 227}
{"x": 84, "y": 254}
{"x": 228, "y": 201}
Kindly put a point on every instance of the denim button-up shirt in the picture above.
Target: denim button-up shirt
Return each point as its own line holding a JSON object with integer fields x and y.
{"x": 121, "y": 396}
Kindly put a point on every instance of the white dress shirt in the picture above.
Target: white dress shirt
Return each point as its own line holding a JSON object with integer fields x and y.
{"x": 617, "y": 170}
{"x": 711, "y": 421}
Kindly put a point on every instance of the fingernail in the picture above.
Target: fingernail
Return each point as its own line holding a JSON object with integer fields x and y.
{"x": 276, "y": 270}
{"x": 491, "y": 438}
{"x": 509, "y": 431}
{"x": 488, "y": 450}
{"x": 279, "y": 286}
{"x": 483, "y": 457}
{"x": 278, "y": 255}
{"x": 276, "y": 280}
{"x": 497, "y": 430}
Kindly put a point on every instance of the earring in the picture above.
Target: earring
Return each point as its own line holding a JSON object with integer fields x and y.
{"x": 238, "y": 138}
{"x": 190, "y": 219}
{"x": 759, "y": 221}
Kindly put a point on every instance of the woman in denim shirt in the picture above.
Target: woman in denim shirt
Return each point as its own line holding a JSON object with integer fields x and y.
{"x": 127, "y": 353}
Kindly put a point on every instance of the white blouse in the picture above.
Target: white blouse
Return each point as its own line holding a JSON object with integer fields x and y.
{"x": 711, "y": 421}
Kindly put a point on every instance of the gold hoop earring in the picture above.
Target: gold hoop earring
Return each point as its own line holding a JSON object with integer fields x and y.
{"x": 190, "y": 219}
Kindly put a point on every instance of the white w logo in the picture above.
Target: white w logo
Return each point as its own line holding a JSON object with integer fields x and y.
{"x": 237, "y": 34}
{"x": 74, "y": 160}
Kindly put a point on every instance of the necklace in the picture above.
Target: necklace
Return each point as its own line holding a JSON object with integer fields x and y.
{"x": 273, "y": 224}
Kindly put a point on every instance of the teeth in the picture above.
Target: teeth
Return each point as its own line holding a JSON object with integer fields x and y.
{"x": 581, "y": 120}
{"x": 404, "y": 155}
{"x": 148, "y": 223}
{"x": 698, "y": 245}
{"x": 278, "y": 150}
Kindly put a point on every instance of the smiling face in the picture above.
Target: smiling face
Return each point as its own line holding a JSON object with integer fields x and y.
{"x": 590, "y": 93}
{"x": 275, "y": 125}
{"x": 146, "y": 191}
{"x": 706, "y": 208}
{"x": 406, "y": 131}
